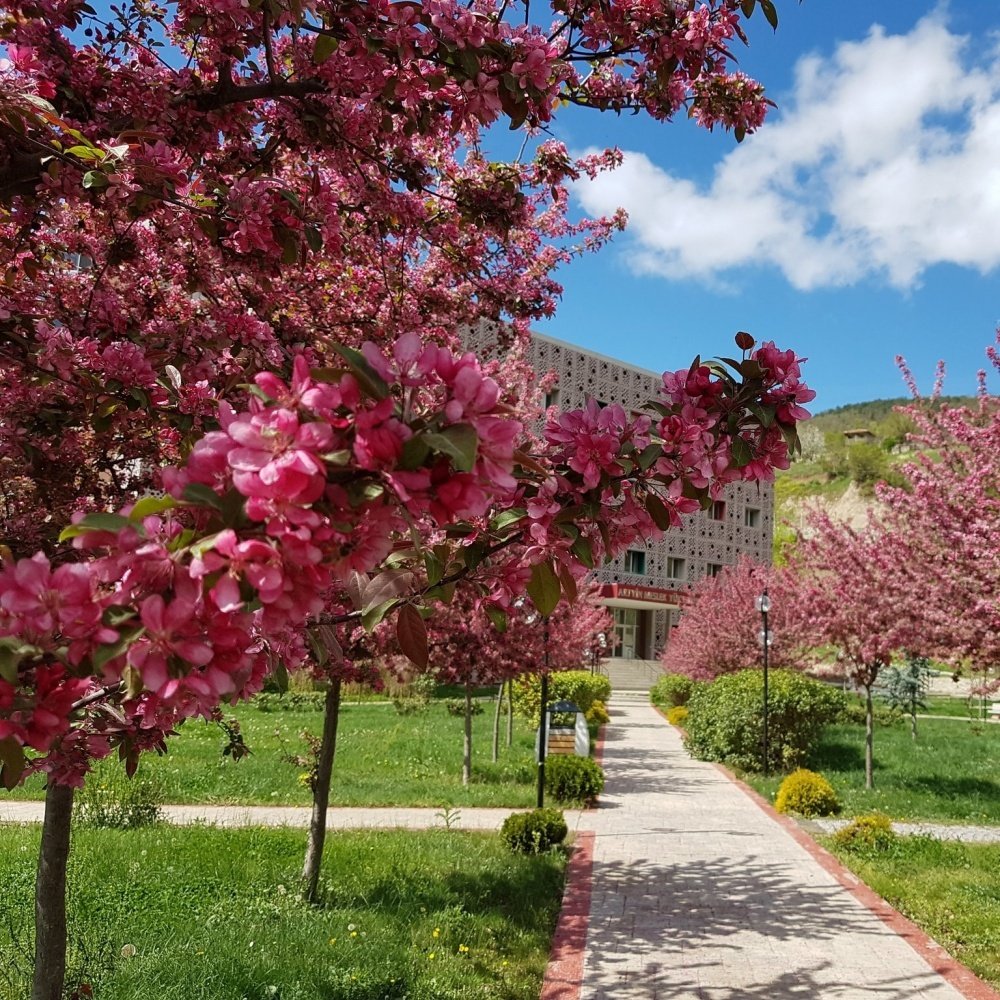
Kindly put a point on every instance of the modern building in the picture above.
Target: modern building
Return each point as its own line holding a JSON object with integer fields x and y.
{"x": 644, "y": 587}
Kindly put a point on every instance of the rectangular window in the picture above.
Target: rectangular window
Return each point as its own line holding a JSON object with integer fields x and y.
{"x": 713, "y": 569}
{"x": 676, "y": 568}
{"x": 719, "y": 510}
{"x": 635, "y": 561}
{"x": 751, "y": 517}
{"x": 551, "y": 398}
{"x": 626, "y": 633}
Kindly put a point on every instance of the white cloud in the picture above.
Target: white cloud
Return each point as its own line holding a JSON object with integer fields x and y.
{"x": 884, "y": 162}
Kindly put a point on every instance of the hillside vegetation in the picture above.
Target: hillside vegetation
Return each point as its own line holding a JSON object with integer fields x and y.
{"x": 843, "y": 473}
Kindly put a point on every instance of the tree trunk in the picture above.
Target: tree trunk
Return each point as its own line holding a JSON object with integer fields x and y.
{"x": 467, "y": 742}
{"x": 50, "y": 895}
{"x": 510, "y": 713}
{"x": 913, "y": 725}
{"x": 321, "y": 792}
{"x": 869, "y": 738}
{"x": 496, "y": 724}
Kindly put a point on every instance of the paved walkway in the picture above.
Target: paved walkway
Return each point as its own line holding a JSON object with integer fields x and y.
{"x": 460, "y": 818}
{"x": 698, "y": 894}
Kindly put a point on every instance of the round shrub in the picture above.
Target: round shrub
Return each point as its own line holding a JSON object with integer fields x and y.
{"x": 671, "y": 690}
{"x": 573, "y": 779}
{"x": 456, "y": 706}
{"x": 808, "y": 794}
{"x": 727, "y": 719}
{"x": 578, "y": 686}
{"x": 677, "y": 716}
{"x": 534, "y": 832}
{"x": 597, "y": 714}
{"x": 871, "y": 834}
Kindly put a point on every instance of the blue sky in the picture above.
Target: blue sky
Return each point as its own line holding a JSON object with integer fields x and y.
{"x": 861, "y": 222}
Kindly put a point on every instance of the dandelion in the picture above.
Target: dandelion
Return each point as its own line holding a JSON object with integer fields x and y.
{"x": 128, "y": 951}
{"x": 333, "y": 940}
{"x": 431, "y": 956}
{"x": 436, "y": 933}
{"x": 352, "y": 927}
{"x": 463, "y": 949}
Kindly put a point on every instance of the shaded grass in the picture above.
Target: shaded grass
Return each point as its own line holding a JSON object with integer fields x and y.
{"x": 950, "y": 890}
{"x": 951, "y": 774}
{"x": 213, "y": 915}
{"x": 383, "y": 758}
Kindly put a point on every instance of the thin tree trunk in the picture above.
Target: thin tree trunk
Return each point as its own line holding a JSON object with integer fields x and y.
{"x": 496, "y": 724}
{"x": 321, "y": 792}
{"x": 50, "y": 895}
{"x": 869, "y": 739}
{"x": 510, "y": 712}
{"x": 467, "y": 742}
{"x": 913, "y": 725}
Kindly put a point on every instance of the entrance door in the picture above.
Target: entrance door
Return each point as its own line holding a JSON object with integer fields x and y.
{"x": 626, "y": 633}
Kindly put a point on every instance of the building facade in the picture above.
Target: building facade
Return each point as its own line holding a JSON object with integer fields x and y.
{"x": 644, "y": 586}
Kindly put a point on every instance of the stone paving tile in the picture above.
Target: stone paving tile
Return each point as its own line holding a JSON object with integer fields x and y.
{"x": 699, "y": 895}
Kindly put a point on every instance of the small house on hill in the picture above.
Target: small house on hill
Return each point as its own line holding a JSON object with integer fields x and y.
{"x": 859, "y": 434}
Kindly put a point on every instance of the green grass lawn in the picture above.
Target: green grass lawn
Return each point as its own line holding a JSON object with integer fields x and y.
{"x": 951, "y": 774}
{"x": 950, "y": 890}
{"x": 383, "y": 758}
{"x": 213, "y": 915}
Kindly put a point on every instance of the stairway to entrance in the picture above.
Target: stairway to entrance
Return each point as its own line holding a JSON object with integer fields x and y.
{"x": 631, "y": 675}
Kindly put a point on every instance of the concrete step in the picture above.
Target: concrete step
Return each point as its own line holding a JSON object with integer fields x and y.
{"x": 631, "y": 675}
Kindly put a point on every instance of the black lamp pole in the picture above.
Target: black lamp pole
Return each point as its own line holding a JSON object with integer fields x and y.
{"x": 764, "y": 606}
{"x": 543, "y": 729}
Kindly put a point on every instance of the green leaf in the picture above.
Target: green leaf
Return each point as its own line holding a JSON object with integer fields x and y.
{"x": 741, "y": 452}
{"x": 386, "y": 587}
{"x": 375, "y": 615}
{"x": 459, "y": 442}
{"x": 434, "y": 567}
{"x": 544, "y": 588}
{"x": 12, "y": 758}
{"x": 94, "y": 180}
{"x": 498, "y": 617}
{"x": 148, "y": 506}
{"x": 98, "y": 522}
{"x": 770, "y": 13}
{"x": 104, "y": 654}
{"x": 279, "y": 672}
{"x": 649, "y": 455}
{"x": 326, "y": 45}
{"x": 202, "y": 496}
{"x": 411, "y": 634}
{"x": 583, "y": 551}
{"x": 658, "y": 511}
{"x": 507, "y": 518}
{"x": 369, "y": 380}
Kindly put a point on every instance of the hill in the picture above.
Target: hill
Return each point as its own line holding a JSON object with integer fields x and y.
{"x": 869, "y": 415}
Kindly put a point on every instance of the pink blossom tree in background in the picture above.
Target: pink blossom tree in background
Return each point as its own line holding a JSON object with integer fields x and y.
{"x": 944, "y": 530}
{"x": 844, "y": 591}
{"x": 467, "y": 647}
{"x": 719, "y": 628}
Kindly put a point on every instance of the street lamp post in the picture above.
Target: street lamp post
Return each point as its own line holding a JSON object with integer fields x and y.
{"x": 595, "y": 655}
{"x": 764, "y": 606}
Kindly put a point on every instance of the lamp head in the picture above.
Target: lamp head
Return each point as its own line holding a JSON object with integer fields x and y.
{"x": 764, "y": 603}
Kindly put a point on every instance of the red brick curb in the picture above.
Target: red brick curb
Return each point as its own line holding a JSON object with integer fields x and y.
{"x": 564, "y": 974}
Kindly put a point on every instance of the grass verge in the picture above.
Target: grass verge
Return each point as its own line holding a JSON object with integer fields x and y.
{"x": 950, "y": 890}
{"x": 207, "y": 914}
{"x": 950, "y": 774}
{"x": 383, "y": 759}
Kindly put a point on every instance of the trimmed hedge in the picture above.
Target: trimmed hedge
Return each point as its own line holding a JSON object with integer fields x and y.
{"x": 579, "y": 686}
{"x": 534, "y": 832}
{"x": 808, "y": 794}
{"x": 671, "y": 690}
{"x": 868, "y": 834}
{"x": 572, "y": 779}
{"x": 726, "y": 721}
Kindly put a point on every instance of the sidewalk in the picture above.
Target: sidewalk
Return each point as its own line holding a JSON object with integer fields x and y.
{"x": 699, "y": 894}
{"x": 353, "y": 818}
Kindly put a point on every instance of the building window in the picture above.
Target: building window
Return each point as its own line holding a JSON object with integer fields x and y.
{"x": 676, "y": 568}
{"x": 551, "y": 398}
{"x": 719, "y": 510}
{"x": 635, "y": 561}
{"x": 713, "y": 569}
{"x": 751, "y": 517}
